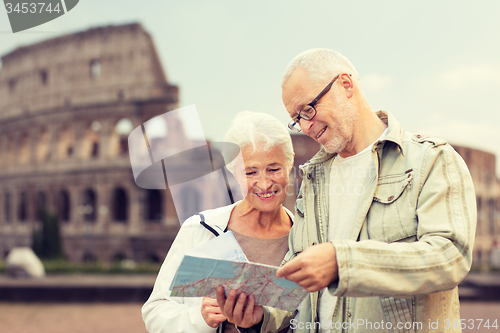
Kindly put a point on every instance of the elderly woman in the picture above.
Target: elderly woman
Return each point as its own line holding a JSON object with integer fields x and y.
{"x": 259, "y": 222}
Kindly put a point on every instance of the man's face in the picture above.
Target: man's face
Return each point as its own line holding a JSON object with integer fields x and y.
{"x": 333, "y": 125}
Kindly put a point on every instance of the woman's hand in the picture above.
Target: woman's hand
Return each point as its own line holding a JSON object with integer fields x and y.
{"x": 236, "y": 312}
{"x": 211, "y": 312}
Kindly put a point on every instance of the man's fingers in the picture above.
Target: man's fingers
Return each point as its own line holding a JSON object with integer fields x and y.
{"x": 313, "y": 269}
{"x": 307, "y": 281}
{"x": 297, "y": 276}
{"x": 288, "y": 268}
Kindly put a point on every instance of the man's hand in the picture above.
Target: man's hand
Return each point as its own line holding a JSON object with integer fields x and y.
{"x": 315, "y": 268}
{"x": 211, "y": 312}
{"x": 234, "y": 309}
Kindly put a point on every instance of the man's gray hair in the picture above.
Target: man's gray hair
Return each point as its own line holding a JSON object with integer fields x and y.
{"x": 322, "y": 64}
{"x": 261, "y": 131}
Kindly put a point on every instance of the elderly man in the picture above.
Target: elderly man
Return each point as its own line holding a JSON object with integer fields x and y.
{"x": 385, "y": 219}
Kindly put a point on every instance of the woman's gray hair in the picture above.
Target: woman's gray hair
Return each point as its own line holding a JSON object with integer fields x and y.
{"x": 322, "y": 64}
{"x": 261, "y": 131}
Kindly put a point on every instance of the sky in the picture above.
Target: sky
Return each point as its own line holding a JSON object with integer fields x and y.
{"x": 435, "y": 65}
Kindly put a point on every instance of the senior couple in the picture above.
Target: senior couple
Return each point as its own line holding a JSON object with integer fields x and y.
{"x": 386, "y": 259}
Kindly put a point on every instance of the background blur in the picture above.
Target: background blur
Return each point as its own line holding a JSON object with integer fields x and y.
{"x": 73, "y": 89}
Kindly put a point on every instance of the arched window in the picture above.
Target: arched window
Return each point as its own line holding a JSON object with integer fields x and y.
{"x": 43, "y": 146}
{"x": 120, "y": 205}
{"x": 89, "y": 205}
{"x": 65, "y": 143}
{"x": 24, "y": 152}
{"x": 44, "y": 76}
{"x": 41, "y": 204}
{"x": 63, "y": 206}
{"x": 122, "y": 129}
{"x": 23, "y": 209}
{"x": 11, "y": 151}
{"x": 12, "y": 84}
{"x": 154, "y": 205}
{"x": 90, "y": 144}
{"x": 95, "y": 68}
{"x": 6, "y": 204}
{"x": 95, "y": 149}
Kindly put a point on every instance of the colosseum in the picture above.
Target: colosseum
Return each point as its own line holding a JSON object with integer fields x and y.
{"x": 67, "y": 107}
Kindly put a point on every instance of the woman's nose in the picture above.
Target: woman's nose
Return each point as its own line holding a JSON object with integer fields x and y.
{"x": 264, "y": 182}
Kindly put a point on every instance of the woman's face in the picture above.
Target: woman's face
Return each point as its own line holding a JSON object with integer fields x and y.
{"x": 263, "y": 177}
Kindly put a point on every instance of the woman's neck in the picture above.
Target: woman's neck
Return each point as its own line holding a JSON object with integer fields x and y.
{"x": 249, "y": 221}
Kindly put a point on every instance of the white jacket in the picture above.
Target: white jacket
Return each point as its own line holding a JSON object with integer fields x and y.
{"x": 164, "y": 314}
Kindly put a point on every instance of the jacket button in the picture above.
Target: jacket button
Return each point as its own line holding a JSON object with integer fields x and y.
{"x": 309, "y": 176}
{"x": 348, "y": 314}
{"x": 299, "y": 197}
{"x": 313, "y": 243}
{"x": 390, "y": 198}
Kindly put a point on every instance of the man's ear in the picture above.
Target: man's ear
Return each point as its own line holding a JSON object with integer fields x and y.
{"x": 348, "y": 85}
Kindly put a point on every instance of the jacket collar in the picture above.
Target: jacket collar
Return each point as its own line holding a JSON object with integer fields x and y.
{"x": 218, "y": 218}
{"x": 395, "y": 131}
{"x": 394, "y": 134}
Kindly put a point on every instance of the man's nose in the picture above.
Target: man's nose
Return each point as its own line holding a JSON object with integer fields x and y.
{"x": 306, "y": 125}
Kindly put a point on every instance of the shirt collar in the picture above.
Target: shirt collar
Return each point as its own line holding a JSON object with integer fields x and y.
{"x": 394, "y": 134}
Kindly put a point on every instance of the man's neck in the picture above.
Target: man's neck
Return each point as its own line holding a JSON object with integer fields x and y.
{"x": 369, "y": 129}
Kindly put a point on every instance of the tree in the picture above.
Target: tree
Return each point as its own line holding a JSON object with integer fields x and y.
{"x": 47, "y": 242}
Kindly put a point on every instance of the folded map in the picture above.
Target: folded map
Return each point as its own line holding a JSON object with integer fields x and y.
{"x": 199, "y": 277}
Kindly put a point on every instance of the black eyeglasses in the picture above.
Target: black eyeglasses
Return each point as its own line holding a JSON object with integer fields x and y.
{"x": 308, "y": 112}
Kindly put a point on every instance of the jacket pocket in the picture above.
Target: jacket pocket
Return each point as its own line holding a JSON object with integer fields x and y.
{"x": 400, "y": 312}
{"x": 392, "y": 215}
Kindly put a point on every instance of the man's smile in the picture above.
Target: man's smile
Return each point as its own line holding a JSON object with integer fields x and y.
{"x": 321, "y": 133}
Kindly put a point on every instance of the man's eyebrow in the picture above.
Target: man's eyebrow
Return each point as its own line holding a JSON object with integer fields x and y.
{"x": 299, "y": 107}
{"x": 296, "y": 114}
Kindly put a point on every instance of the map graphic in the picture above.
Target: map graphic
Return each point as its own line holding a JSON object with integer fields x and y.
{"x": 199, "y": 277}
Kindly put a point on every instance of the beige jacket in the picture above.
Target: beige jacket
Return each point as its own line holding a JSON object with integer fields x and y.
{"x": 410, "y": 246}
